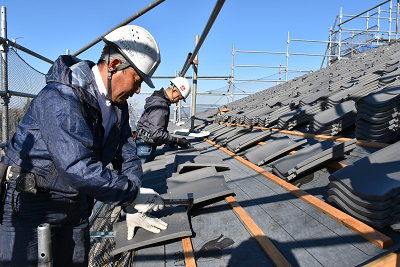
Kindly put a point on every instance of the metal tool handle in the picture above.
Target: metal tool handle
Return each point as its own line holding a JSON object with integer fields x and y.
{"x": 176, "y": 201}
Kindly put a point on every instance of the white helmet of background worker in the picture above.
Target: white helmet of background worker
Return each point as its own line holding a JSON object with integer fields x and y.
{"x": 138, "y": 47}
{"x": 183, "y": 86}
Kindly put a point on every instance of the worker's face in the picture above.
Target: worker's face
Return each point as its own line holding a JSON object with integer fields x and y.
{"x": 176, "y": 95}
{"x": 125, "y": 83}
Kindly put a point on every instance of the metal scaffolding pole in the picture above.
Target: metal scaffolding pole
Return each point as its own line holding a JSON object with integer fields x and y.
{"x": 287, "y": 57}
{"x": 390, "y": 21}
{"x": 340, "y": 34}
{"x": 192, "y": 57}
{"x": 340, "y": 24}
{"x": 26, "y": 50}
{"x": 397, "y": 19}
{"x": 5, "y": 98}
{"x": 125, "y": 22}
{"x": 231, "y": 82}
{"x": 194, "y": 92}
{"x": 207, "y": 28}
{"x": 379, "y": 25}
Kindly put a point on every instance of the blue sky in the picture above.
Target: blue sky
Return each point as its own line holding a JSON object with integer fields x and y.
{"x": 50, "y": 27}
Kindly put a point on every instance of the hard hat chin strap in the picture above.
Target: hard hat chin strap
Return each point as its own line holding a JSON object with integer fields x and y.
{"x": 111, "y": 71}
{"x": 173, "y": 98}
{"x": 172, "y": 93}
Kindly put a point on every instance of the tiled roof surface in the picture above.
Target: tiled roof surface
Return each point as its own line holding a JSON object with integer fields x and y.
{"x": 325, "y": 202}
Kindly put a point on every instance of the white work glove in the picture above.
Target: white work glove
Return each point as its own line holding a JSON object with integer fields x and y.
{"x": 146, "y": 221}
{"x": 147, "y": 200}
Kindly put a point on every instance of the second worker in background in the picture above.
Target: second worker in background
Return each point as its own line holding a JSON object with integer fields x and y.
{"x": 152, "y": 125}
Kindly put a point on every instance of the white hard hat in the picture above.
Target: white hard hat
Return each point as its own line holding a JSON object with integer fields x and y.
{"x": 183, "y": 86}
{"x": 138, "y": 47}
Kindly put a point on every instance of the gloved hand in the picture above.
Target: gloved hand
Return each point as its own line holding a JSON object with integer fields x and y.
{"x": 183, "y": 142}
{"x": 172, "y": 145}
{"x": 147, "y": 200}
{"x": 146, "y": 221}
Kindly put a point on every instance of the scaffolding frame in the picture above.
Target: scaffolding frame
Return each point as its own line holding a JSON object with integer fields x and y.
{"x": 338, "y": 47}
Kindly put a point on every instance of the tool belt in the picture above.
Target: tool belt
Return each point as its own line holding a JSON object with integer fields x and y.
{"x": 24, "y": 182}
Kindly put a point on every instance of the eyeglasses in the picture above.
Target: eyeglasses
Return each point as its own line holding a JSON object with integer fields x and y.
{"x": 180, "y": 94}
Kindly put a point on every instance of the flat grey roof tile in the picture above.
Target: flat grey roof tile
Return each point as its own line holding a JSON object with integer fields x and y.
{"x": 178, "y": 227}
{"x": 203, "y": 189}
{"x": 191, "y": 176}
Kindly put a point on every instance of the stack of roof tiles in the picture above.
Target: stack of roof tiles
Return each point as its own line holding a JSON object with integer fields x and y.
{"x": 307, "y": 158}
{"x": 341, "y": 95}
{"x": 249, "y": 139}
{"x": 231, "y": 135}
{"x": 378, "y": 115}
{"x": 214, "y": 127}
{"x": 272, "y": 149}
{"x": 296, "y": 117}
{"x": 272, "y": 117}
{"x": 252, "y": 117}
{"x": 369, "y": 188}
{"x": 215, "y": 134}
{"x": 333, "y": 120}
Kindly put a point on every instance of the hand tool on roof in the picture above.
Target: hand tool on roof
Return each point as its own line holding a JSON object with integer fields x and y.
{"x": 187, "y": 202}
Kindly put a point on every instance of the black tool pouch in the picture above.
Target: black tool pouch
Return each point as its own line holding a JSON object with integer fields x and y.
{"x": 3, "y": 173}
{"x": 26, "y": 183}
{"x": 3, "y": 187}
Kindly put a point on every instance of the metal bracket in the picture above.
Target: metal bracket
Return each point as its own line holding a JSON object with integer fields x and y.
{"x": 4, "y": 47}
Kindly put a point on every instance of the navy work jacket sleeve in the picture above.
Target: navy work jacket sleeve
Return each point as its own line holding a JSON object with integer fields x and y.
{"x": 158, "y": 118}
{"x": 71, "y": 146}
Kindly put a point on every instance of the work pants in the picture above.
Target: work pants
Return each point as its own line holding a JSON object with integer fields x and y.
{"x": 145, "y": 151}
{"x": 69, "y": 228}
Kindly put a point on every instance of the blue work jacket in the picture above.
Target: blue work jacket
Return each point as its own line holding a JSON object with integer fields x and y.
{"x": 155, "y": 118}
{"x": 60, "y": 139}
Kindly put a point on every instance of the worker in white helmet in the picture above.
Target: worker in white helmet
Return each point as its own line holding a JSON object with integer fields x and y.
{"x": 56, "y": 162}
{"x": 152, "y": 125}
